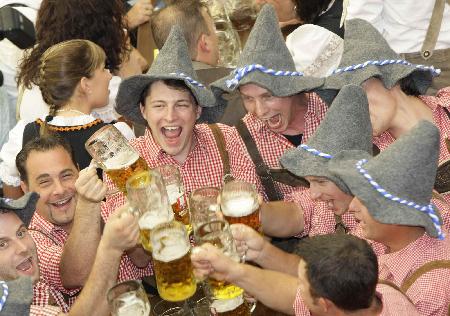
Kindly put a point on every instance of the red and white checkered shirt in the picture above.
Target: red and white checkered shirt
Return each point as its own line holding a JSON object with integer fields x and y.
{"x": 50, "y": 240}
{"x": 441, "y": 120}
{"x": 272, "y": 145}
{"x": 394, "y": 303}
{"x": 430, "y": 292}
{"x": 47, "y": 310}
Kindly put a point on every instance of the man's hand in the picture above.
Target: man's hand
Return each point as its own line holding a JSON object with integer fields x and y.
{"x": 121, "y": 230}
{"x": 133, "y": 64}
{"x": 249, "y": 243}
{"x": 139, "y": 13}
{"x": 210, "y": 261}
{"x": 89, "y": 187}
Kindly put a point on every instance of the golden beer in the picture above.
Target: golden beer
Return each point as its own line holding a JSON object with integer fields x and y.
{"x": 147, "y": 222}
{"x": 172, "y": 262}
{"x": 232, "y": 307}
{"x": 120, "y": 168}
{"x": 242, "y": 209}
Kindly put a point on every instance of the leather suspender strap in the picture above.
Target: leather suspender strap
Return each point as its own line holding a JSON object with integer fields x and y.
{"x": 261, "y": 168}
{"x": 220, "y": 142}
{"x": 433, "y": 29}
{"x": 427, "y": 267}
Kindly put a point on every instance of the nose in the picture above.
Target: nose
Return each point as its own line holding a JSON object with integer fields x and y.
{"x": 22, "y": 247}
{"x": 170, "y": 114}
{"x": 260, "y": 109}
{"x": 58, "y": 187}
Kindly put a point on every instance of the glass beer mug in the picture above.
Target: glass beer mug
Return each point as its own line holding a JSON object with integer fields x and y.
{"x": 239, "y": 203}
{"x": 203, "y": 206}
{"x": 227, "y": 298}
{"x": 111, "y": 151}
{"x": 172, "y": 262}
{"x": 128, "y": 299}
{"x": 147, "y": 194}
{"x": 242, "y": 13}
{"x": 171, "y": 178}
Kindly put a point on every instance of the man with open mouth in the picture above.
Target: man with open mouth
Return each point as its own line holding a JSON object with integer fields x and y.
{"x": 19, "y": 268}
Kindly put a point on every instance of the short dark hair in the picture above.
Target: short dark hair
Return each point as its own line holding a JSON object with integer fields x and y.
{"x": 307, "y": 11}
{"x": 408, "y": 86}
{"x": 41, "y": 144}
{"x": 172, "y": 83}
{"x": 341, "y": 268}
{"x": 188, "y": 15}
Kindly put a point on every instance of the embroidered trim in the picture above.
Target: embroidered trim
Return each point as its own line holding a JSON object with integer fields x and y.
{"x": 70, "y": 128}
{"x": 434, "y": 72}
{"x": 189, "y": 79}
{"x": 5, "y": 294}
{"x": 330, "y": 50}
{"x": 243, "y": 71}
{"x": 315, "y": 152}
{"x": 428, "y": 209}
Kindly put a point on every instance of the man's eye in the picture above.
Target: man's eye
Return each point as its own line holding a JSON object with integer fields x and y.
{"x": 3, "y": 244}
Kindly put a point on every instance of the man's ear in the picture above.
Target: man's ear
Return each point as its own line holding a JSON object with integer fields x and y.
{"x": 24, "y": 187}
{"x": 142, "y": 108}
{"x": 203, "y": 43}
{"x": 325, "y": 304}
{"x": 199, "y": 111}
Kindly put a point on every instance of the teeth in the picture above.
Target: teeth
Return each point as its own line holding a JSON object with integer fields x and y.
{"x": 171, "y": 128}
{"x": 62, "y": 202}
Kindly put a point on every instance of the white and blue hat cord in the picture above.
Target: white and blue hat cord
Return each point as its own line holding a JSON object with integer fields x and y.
{"x": 189, "y": 79}
{"x": 428, "y": 209}
{"x": 315, "y": 152}
{"x": 240, "y": 73}
{"x": 434, "y": 72}
{"x": 5, "y": 294}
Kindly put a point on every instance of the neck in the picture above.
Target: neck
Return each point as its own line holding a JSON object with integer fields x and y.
{"x": 402, "y": 236}
{"x": 299, "y": 108}
{"x": 410, "y": 110}
{"x": 74, "y": 108}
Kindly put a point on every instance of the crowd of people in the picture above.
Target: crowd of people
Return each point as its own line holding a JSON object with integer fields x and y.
{"x": 343, "y": 139}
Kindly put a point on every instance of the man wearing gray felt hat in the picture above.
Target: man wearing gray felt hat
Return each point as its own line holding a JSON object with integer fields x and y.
{"x": 395, "y": 89}
{"x": 392, "y": 202}
{"x": 282, "y": 109}
{"x": 169, "y": 99}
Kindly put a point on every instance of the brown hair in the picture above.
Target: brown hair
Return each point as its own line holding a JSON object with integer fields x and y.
{"x": 188, "y": 15}
{"x": 99, "y": 21}
{"x": 41, "y": 144}
{"x": 62, "y": 67}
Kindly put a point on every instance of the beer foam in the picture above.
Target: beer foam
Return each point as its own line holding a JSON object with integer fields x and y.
{"x": 148, "y": 220}
{"x": 173, "y": 192}
{"x": 222, "y": 306}
{"x": 173, "y": 245}
{"x": 131, "y": 305}
{"x": 240, "y": 206}
{"x": 121, "y": 160}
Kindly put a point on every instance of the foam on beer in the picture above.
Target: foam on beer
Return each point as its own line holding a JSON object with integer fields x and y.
{"x": 222, "y": 306}
{"x": 171, "y": 246}
{"x": 148, "y": 220}
{"x": 131, "y": 305}
{"x": 121, "y": 160}
{"x": 173, "y": 192}
{"x": 240, "y": 206}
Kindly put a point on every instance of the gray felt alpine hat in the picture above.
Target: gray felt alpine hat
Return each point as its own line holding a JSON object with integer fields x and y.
{"x": 16, "y": 297}
{"x": 24, "y": 207}
{"x": 266, "y": 61}
{"x": 172, "y": 62}
{"x": 346, "y": 126}
{"x": 367, "y": 54}
{"x": 396, "y": 185}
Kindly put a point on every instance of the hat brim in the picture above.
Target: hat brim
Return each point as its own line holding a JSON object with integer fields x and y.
{"x": 389, "y": 74}
{"x": 24, "y": 207}
{"x": 381, "y": 209}
{"x": 303, "y": 164}
{"x": 281, "y": 86}
{"x": 131, "y": 89}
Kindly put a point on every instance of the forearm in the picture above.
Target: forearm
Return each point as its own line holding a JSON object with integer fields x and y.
{"x": 281, "y": 219}
{"x": 139, "y": 256}
{"x": 92, "y": 300}
{"x": 81, "y": 246}
{"x": 274, "y": 289}
{"x": 276, "y": 259}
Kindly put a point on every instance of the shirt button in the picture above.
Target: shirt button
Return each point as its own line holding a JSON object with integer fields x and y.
{"x": 426, "y": 54}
